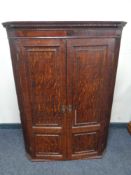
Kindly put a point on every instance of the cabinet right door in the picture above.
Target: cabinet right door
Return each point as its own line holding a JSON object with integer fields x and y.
{"x": 91, "y": 68}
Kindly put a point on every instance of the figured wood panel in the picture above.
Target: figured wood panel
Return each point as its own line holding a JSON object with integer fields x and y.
{"x": 46, "y": 88}
{"x": 45, "y": 70}
{"x": 85, "y": 142}
{"x": 48, "y": 146}
{"x": 88, "y": 83}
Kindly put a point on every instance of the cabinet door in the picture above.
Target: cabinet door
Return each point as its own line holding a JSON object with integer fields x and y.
{"x": 90, "y": 90}
{"x": 41, "y": 72}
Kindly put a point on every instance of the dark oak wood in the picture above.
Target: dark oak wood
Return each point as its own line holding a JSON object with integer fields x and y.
{"x": 65, "y": 76}
{"x": 129, "y": 127}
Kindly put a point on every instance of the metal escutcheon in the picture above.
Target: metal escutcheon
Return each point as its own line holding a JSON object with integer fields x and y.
{"x": 63, "y": 108}
{"x": 69, "y": 108}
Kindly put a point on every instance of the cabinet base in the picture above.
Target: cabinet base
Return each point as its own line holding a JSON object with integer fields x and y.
{"x": 33, "y": 159}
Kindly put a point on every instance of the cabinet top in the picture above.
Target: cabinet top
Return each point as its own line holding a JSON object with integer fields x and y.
{"x": 64, "y": 24}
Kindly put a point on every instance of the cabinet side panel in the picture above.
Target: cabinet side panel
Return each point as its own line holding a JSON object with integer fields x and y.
{"x": 26, "y": 124}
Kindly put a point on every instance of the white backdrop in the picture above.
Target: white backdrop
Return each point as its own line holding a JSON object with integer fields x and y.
{"x": 63, "y": 10}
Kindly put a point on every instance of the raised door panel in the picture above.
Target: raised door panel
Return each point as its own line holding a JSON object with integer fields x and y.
{"x": 42, "y": 74}
{"x": 90, "y": 64}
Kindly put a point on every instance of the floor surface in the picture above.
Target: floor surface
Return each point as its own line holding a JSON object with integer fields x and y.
{"x": 116, "y": 160}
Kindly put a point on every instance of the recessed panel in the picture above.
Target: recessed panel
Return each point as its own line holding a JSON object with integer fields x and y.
{"x": 89, "y": 72}
{"x": 48, "y": 145}
{"x": 83, "y": 143}
{"x": 46, "y": 71}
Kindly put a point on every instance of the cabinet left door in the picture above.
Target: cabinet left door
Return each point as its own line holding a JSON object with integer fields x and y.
{"x": 40, "y": 75}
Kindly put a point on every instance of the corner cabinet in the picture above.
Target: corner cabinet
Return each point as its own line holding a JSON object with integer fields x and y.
{"x": 65, "y": 75}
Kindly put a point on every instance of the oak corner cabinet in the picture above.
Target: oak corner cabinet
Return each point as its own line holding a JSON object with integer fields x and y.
{"x": 65, "y": 75}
